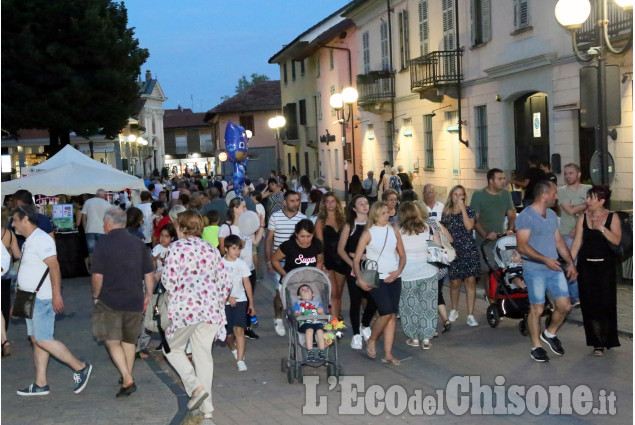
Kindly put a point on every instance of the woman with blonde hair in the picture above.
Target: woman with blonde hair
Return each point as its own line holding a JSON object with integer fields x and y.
{"x": 459, "y": 220}
{"x": 197, "y": 286}
{"x": 328, "y": 227}
{"x": 418, "y": 300}
{"x": 382, "y": 244}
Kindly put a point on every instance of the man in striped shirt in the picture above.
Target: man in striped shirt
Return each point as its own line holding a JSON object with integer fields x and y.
{"x": 281, "y": 227}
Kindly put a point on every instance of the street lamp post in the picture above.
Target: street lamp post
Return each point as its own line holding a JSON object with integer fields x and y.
{"x": 571, "y": 14}
{"x": 343, "y": 105}
{"x": 276, "y": 123}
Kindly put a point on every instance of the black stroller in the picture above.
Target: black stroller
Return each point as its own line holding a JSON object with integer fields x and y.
{"x": 297, "y": 356}
{"x": 506, "y": 298}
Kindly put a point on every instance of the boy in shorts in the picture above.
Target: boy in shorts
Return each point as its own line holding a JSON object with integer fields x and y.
{"x": 240, "y": 300}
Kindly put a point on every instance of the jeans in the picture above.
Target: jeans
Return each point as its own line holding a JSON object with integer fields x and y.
{"x": 539, "y": 281}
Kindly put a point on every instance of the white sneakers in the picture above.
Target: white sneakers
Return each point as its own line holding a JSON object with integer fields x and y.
{"x": 453, "y": 315}
{"x": 365, "y": 332}
{"x": 471, "y": 321}
{"x": 279, "y": 327}
{"x": 235, "y": 353}
{"x": 242, "y": 367}
{"x": 356, "y": 342}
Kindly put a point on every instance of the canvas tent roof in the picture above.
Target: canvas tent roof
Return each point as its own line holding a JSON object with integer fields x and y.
{"x": 67, "y": 155}
{"x": 74, "y": 179}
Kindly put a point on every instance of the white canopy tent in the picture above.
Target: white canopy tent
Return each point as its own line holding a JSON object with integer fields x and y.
{"x": 67, "y": 155}
{"x": 74, "y": 179}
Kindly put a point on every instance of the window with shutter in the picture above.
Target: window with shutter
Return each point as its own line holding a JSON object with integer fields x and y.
{"x": 424, "y": 31}
{"x": 247, "y": 122}
{"x": 302, "y": 105}
{"x": 481, "y": 31}
{"x": 385, "y": 59}
{"x": 404, "y": 39}
{"x": 480, "y": 118}
{"x": 521, "y": 14}
{"x": 366, "y": 50}
{"x": 319, "y": 105}
{"x": 427, "y": 141}
{"x": 448, "y": 35}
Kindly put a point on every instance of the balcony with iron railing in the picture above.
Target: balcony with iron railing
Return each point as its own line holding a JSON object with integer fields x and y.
{"x": 375, "y": 87}
{"x": 618, "y": 28}
{"x": 435, "y": 69}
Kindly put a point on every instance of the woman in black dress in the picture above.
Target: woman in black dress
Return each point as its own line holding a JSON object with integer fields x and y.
{"x": 356, "y": 216}
{"x": 459, "y": 219}
{"x": 595, "y": 230}
{"x": 328, "y": 227}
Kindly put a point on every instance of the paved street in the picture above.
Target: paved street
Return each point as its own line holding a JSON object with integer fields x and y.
{"x": 263, "y": 396}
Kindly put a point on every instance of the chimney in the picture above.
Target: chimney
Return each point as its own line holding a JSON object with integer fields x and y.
{"x": 148, "y": 75}
{"x": 180, "y": 108}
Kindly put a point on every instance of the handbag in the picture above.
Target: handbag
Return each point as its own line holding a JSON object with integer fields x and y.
{"x": 442, "y": 254}
{"x": 25, "y": 300}
{"x": 157, "y": 319}
{"x": 625, "y": 248}
{"x": 370, "y": 268}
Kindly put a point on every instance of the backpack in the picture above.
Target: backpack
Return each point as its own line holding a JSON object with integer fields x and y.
{"x": 395, "y": 183}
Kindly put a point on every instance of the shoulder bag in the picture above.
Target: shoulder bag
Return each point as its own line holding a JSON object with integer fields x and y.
{"x": 25, "y": 300}
{"x": 441, "y": 255}
{"x": 370, "y": 268}
{"x": 625, "y": 248}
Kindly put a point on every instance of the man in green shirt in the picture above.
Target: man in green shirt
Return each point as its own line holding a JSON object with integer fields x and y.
{"x": 492, "y": 205}
{"x": 572, "y": 201}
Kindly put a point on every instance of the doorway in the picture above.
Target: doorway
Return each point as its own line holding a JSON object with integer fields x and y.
{"x": 531, "y": 128}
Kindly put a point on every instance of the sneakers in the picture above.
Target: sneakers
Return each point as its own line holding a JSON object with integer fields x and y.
{"x": 242, "y": 367}
{"x": 453, "y": 315}
{"x": 81, "y": 378}
{"x": 356, "y": 342}
{"x": 575, "y": 303}
{"x": 235, "y": 353}
{"x": 250, "y": 334}
{"x": 279, "y": 327}
{"x": 539, "y": 354}
{"x": 471, "y": 321}
{"x": 34, "y": 390}
{"x": 365, "y": 332}
{"x": 310, "y": 356}
{"x": 553, "y": 343}
{"x": 196, "y": 401}
{"x": 322, "y": 356}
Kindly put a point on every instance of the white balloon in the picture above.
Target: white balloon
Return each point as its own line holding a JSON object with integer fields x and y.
{"x": 248, "y": 223}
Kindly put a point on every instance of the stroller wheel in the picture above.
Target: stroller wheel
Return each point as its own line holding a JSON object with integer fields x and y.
{"x": 283, "y": 364}
{"x": 298, "y": 373}
{"x": 493, "y": 318}
{"x": 290, "y": 375}
{"x": 333, "y": 370}
{"x": 522, "y": 327}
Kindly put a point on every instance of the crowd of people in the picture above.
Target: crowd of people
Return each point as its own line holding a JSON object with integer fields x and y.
{"x": 184, "y": 239}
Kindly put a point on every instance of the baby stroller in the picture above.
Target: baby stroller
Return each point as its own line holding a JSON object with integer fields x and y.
{"x": 509, "y": 300}
{"x": 297, "y": 356}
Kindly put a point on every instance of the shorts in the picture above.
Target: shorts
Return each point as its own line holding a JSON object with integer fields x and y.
{"x": 116, "y": 325}
{"x": 302, "y": 328}
{"x": 42, "y": 325}
{"x": 539, "y": 281}
{"x": 91, "y": 240}
{"x": 278, "y": 278}
{"x": 236, "y": 316}
{"x": 386, "y": 297}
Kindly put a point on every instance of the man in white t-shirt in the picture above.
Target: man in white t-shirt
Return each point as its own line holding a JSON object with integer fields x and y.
{"x": 158, "y": 187}
{"x": 281, "y": 227}
{"x": 93, "y": 220}
{"x": 39, "y": 265}
{"x": 146, "y": 208}
{"x": 429, "y": 198}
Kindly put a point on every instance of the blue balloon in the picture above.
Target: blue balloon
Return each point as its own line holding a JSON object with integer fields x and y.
{"x": 236, "y": 145}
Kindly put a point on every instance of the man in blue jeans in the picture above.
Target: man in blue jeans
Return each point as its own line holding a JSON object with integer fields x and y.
{"x": 39, "y": 263}
{"x": 539, "y": 241}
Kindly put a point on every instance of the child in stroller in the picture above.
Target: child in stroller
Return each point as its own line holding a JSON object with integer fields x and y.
{"x": 514, "y": 274}
{"x": 303, "y": 309}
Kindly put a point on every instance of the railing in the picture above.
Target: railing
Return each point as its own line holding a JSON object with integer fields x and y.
{"x": 620, "y": 24}
{"x": 310, "y": 131}
{"x": 376, "y": 86}
{"x": 290, "y": 133}
{"x": 435, "y": 69}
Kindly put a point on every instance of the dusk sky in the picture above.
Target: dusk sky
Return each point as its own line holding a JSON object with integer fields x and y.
{"x": 200, "y": 48}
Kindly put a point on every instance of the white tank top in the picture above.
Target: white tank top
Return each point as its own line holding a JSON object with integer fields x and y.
{"x": 388, "y": 262}
{"x": 417, "y": 266}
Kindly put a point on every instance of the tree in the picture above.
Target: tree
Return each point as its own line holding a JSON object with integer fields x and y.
{"x": 68, "y": 65}
{"x": 244, "y": 84}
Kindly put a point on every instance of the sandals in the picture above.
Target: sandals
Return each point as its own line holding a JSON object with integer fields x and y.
{"x": 372, "y": 353}
{"x": 426, "y": 345}
{"x": 392, "y": 361}
{"x": 447, "y": 326}
{"x": 6, "y": 348}
{"x": 412, "y": 342}
{"x": 598, "y": 351}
